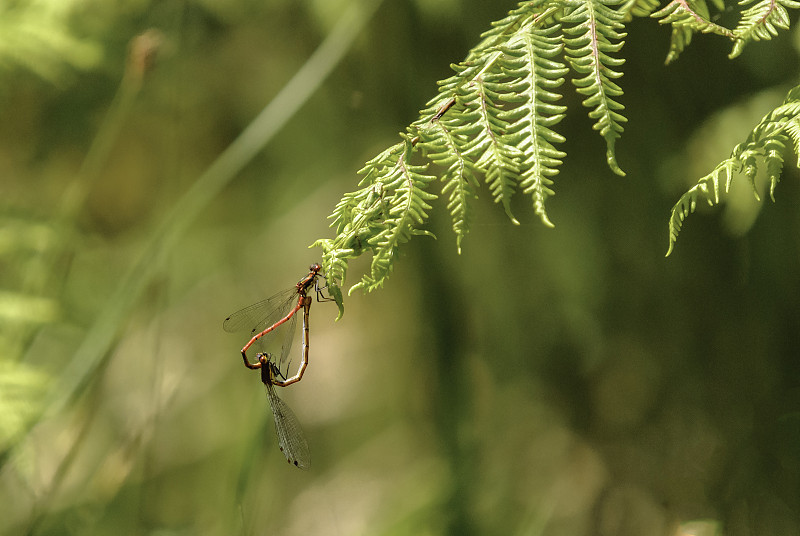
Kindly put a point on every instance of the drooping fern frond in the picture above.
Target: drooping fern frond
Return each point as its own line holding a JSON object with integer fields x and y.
{"x": 531, "y": 122}
{"x": 761, "y": 21}
{"x": 764, "y": 147}
{"x": 448, "y": 148}
{"x": 495, "y": 120}
{"x": 707, "y": 187}
{"x": 395, "y": 176}
{"x": 687, "y": 18}
{"x": 593, "y": 26}
{"x": 693, "y": 14}
{"x": 485, "y": 124}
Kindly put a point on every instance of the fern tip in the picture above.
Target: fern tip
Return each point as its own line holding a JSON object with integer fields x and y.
{"x": 459, "y": 237}
{"x": 738, "y": 47}
{"x": 611, "y": 159}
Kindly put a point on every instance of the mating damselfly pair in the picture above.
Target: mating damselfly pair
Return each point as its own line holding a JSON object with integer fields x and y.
{"x": 266, "y": 318}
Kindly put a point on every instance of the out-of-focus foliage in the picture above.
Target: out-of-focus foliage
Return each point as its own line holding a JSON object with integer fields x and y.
{"x": 21, "y": 390}
{"x": 38, "y": 36}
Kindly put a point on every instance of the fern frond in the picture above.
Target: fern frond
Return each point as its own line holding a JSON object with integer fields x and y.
{"x": 484, "y": 56}
{"x": 515, "y": 23}
{"x": 691, "y": 14}
{"x": 766, "y": 143}
{"x": 482, "y": 121}
{"x": 594, "y": 25}
{"x": 406, "y": 184}
{"x": 495, "y": 117}
{"x": 761, "y": 21}
{"x": 680, "y": 38}
{"x": 708, "y": 188}
{"x": 530, "y": 61}
{"x": 336, "y": 271}
{"x": 686, "y": 18}
{"x": 446, "y": 148}
{"x": 638, "y": 8}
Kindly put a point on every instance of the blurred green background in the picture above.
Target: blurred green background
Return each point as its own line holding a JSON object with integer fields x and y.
{"x": 557, "y": 382}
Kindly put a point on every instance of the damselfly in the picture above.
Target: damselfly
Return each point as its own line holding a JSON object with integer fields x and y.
{"x": 291, "y": 439}
{"x": 266, "y": 316}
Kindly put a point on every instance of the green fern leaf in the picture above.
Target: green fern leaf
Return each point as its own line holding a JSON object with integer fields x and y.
{"x": 530, "y": 63}
{"x": 680, "y": 38}
{"x": 496, "y": 117}
{"x": 766, "y": 143}
{"x": 685, "y": 20}
{"x": 484, "y": 125}
{"x": 593, "y": 25}
{"x": 447, "y": 148}
{"x": 693, "y": 15}
{"x": 774, "y": 150}
{"x": 708, "y": 188}
{"x": 517, "y": 22}
{"x": 638, "y": 8}
{"x": 407, "y": 186}
{"x": 761, "y": 21}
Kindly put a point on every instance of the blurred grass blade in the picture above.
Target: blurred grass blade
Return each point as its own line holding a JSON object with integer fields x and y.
{"x": 96, "y": 346}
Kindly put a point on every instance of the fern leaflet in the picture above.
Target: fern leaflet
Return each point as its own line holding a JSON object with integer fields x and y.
{"x": 530, "y": 62}
{"x": 693, "y": 15}
{"x": 406, "y": 184}
{"x": 446, "y": 147}
{"x": 593, "y": 25}
{"x": 761, "y": 21}
{"x": 483, "y": 121}
{"x": 638, "y": 8}
{"x": 766, "y": 143}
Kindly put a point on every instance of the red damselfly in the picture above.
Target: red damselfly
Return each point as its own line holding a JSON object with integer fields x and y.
{"x": 266, "y": 316}
{"x": 291, "y": 439}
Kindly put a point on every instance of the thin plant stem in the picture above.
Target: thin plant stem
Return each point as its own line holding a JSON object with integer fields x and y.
{"x": 96, "y": 347}
{"x": 97, "y": 343}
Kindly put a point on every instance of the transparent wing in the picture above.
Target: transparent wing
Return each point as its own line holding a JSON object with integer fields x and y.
{"x": 291, "y": 439}
{"x": 261, "y": 315}
{"x": 285, "y": 361}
